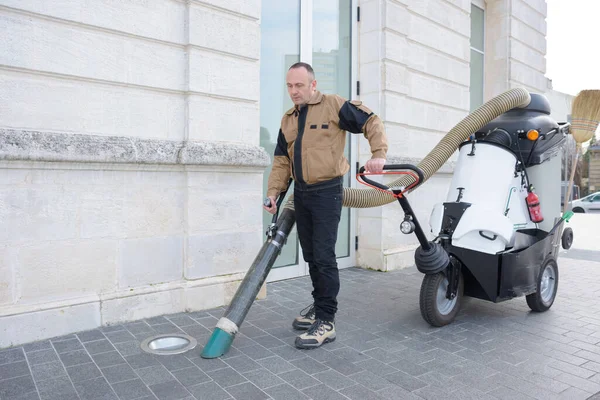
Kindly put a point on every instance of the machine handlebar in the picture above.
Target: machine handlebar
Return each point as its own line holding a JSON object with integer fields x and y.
{"x": 397, "y": 168}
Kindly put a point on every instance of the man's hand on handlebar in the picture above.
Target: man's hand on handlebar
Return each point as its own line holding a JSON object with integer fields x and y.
{"x": 273, "y": 207}
{"x": 375, "y": 165}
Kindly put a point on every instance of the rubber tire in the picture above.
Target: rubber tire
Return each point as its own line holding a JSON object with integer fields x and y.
{"x": 534, "y": 300}
{"x": 579, "y": 210}
{"x": 567, "y": 238}
{"x": 428, "y": 300}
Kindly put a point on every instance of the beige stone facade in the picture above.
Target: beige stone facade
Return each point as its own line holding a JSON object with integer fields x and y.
{"x": 141, "y": 192}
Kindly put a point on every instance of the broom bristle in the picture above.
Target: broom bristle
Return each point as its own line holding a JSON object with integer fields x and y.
{"x": 585, "y": 115}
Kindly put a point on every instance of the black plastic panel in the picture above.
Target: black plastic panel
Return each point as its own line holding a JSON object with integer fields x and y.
{"x": 480, "y": 272}
{"x": 535, "y": 116}
{"x": 519, "y": 269}
{"x": 503, "y": 276}
{"x": 453, "y": 212}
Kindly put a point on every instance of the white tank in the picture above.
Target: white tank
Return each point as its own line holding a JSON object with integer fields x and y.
{"x": 486, "y": 180}
{"x": 497, "y": 197}
{"x": 485, "y": 176}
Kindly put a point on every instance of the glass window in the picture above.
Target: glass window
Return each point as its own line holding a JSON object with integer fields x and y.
{"x": 477, "y": 16}
{"x": 331, "y": 60}
{"x": 280, "y": 48}
{"x": 477, "y": 56}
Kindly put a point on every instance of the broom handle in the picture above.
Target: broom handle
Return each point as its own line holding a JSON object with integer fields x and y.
{"x": 571, "y": 179}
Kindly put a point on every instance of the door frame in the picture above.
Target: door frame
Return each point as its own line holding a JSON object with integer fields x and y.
{"x": 350, "y": 260}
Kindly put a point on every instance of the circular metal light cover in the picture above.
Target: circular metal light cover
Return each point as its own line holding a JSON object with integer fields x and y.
{"x": 168, "y": 344}
{"x": 407, "y": 227}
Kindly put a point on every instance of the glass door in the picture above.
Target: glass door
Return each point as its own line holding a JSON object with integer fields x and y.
{"x": 319, "y": 33}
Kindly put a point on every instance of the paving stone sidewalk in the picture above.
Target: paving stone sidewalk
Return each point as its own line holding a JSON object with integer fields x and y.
{"x": 384, "y": 349}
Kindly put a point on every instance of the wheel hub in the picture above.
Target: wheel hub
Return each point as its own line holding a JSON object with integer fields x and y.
{"x": 444, "y": 305}
{"x": 547, "y": 284}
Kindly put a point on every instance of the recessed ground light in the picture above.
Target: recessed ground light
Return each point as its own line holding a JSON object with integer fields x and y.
{"x": 168, "y": 344}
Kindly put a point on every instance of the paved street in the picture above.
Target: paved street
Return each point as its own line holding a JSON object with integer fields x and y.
{"x": 384, "y": 348}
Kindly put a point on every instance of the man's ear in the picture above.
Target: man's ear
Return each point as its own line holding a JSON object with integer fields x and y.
{"x": 314, "y": 84}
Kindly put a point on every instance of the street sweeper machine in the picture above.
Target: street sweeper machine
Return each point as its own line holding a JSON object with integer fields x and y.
{"x": 496, "y": 236}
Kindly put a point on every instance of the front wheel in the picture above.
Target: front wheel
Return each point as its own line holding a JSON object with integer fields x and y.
{"x": 436, "y": 308}
{"x": 567, "y": 238}
{"x": 547, "y": 285}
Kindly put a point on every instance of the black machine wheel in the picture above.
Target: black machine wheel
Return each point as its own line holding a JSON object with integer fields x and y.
{"x": 578, "y": 210}
{"x": 547, "y": 285}
{"x": 567, "y": 238}
{"x": 436, "y": 309}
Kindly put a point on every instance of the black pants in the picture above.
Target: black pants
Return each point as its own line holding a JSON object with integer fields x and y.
{"x": 318, "y": 212}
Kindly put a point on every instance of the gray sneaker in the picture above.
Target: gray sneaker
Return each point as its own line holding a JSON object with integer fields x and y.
{"x": 319, "y": 333}
{"x": 306, "y": 318}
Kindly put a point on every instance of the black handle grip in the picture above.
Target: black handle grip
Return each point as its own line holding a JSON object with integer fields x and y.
{"x": 389, "y": 167}
{"x": 278, "y": 202}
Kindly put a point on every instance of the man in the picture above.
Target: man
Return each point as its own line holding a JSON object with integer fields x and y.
{"x": 310, "y": 148}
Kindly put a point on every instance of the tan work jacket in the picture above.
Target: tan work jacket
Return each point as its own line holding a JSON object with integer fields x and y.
{"x": 312, "y": 138}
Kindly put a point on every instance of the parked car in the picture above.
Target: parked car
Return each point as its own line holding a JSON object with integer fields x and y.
{"x": 587, "y": 204}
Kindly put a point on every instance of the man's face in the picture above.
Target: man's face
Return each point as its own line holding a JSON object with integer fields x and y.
{"x": 299, "y": 85}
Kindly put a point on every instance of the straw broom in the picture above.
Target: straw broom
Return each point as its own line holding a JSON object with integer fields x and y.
{"x": 585, "y": 117}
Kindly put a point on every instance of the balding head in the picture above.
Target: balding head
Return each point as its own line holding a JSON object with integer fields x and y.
{"x": 301, "y": 83}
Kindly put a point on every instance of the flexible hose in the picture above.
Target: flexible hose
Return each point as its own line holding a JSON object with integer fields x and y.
{"x": 513, "y": 98}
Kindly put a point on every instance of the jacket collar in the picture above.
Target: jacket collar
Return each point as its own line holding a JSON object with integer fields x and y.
{"x": 316, "y": 98}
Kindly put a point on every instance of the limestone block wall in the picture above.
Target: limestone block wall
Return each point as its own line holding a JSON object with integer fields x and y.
{"x": 528, "y": 44}
{"x": 167, "y": 70}
{"x": 516, "y": 46}
{"x": 130, "y": 171}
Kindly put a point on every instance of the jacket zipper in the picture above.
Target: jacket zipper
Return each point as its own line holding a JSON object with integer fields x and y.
{"x": 297, "y": 166}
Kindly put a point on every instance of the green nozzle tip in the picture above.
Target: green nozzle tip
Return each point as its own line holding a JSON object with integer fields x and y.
{"x": 568, "y": 215}
{"x": 218, "y": 344}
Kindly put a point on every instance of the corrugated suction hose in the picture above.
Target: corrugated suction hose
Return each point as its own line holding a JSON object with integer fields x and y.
{"x": 513, "y": 98}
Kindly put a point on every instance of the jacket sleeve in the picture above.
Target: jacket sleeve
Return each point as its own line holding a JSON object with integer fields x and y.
{"x": 280, "y": 173}
{"x": 357, "y": 118}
